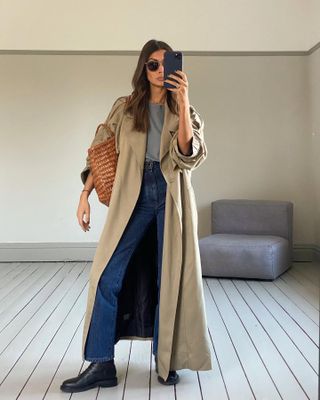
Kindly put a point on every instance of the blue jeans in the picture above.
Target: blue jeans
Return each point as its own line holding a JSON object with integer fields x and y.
{"x": 150, "y": 204}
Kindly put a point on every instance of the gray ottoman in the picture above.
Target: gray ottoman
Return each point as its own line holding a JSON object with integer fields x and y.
{"x": 250, "y": 239}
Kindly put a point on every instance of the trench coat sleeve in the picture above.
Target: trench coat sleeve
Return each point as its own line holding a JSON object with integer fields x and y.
{"x": 199, "y": 148}
{"x": 105, "y": 130}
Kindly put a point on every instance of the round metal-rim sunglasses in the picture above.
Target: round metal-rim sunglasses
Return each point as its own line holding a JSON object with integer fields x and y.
{"x": 153, "y": 65}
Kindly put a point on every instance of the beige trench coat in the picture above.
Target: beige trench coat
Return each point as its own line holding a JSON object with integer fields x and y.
{"x": 183, "y": 340}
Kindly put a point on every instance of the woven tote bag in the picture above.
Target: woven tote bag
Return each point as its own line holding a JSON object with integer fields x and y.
{"x": 103, "y": 160}
{"x": 103, "y": 164}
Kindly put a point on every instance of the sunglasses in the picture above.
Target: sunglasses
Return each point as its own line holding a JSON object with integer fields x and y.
{"x": 153, "y": 65}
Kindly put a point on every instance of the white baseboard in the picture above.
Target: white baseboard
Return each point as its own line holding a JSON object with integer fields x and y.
{"x": 12, "y": 252}
{"x": 306, "y": 252}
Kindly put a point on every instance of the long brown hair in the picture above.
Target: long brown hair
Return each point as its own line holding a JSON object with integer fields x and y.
{"x": 137, "y": 104}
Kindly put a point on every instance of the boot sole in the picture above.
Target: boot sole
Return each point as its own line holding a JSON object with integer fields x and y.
{"x": 105, "y": 383}
{"x": 161, "y": 380}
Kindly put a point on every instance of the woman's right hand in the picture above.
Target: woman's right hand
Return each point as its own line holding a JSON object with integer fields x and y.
{"x": 83, "y": 213}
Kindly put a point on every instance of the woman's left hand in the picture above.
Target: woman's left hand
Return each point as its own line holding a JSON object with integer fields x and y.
{"x": 181, "y": 87}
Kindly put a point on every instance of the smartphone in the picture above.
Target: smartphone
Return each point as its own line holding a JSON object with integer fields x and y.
{"x": 172, "y": 62}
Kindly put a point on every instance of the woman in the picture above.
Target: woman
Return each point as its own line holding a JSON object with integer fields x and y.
{"x": 149, "y": 241}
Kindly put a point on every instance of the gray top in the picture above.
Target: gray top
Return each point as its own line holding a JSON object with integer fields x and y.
{"x": 156, "y": 118}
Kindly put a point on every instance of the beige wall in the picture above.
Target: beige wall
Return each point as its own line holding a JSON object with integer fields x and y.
{"x": 314, "y": 106}
{"x": 258, "y": 123}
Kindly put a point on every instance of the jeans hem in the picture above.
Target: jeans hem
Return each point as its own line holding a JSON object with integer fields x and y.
{"x": 99, "y": 359}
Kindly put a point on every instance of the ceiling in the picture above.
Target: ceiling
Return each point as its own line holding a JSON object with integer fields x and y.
{"x": 195, "y": 26}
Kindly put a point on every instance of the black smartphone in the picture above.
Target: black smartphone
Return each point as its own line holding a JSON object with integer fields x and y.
{"x": 172, "y": 62}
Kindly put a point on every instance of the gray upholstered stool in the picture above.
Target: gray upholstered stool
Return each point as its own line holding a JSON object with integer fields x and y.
{"x": 250, "y": 239}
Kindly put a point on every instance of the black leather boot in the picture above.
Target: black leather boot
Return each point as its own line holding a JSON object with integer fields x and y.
{"x": 97, "y": 374}
{"x": 172, "y": 379}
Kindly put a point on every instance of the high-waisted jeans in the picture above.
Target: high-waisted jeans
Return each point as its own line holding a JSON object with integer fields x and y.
{"x": 150, "y": 205}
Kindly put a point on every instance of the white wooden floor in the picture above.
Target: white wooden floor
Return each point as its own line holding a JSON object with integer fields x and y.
{"x": 264, "y": 338}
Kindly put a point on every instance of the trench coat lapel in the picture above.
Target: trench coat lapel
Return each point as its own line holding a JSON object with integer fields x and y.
{"x": 138, "y": 140}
